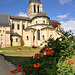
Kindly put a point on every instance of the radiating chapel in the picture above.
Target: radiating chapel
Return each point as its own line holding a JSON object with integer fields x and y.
{"x": 27, "y": 31}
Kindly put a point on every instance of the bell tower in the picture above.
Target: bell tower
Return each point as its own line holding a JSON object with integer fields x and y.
{"x": 34, "y": 7}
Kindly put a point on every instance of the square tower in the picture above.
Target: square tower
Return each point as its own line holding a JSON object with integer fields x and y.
{"x": 34, "y": 7}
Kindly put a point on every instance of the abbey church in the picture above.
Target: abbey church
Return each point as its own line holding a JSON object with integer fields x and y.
{"x": 34, "y": 29}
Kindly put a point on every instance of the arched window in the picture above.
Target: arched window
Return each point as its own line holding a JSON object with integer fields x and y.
{"x": 36, "y": 22}
{"x": 16, "y": 40}
{"x": 43, "y": 37}
{"x": 34, "y": 38}
{"x": 12, "y": 26}
{"x": 38, "y": 33}
{"x": 43, "y": 21}
{"x": 18, "y": 27}
{"x": 38, "y": 9}
{"x": 27, "y": 38}
{"x": 23, "y": 27}
{"x": 34, "y": 8}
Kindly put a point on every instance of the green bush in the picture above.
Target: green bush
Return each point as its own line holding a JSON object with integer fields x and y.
{"x": 55, "y": 64}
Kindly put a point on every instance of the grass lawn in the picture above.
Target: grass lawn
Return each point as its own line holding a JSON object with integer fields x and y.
{"x": 25, "y": 51}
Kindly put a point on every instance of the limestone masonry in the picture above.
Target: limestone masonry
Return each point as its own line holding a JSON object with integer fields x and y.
{"x": 27, "y": 31}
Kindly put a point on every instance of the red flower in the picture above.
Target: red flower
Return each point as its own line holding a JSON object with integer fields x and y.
{"x": 55, "y": 25}
{"x": 56, "y": 67}
{"x": 47, "y": 48}
{"x": 34, "y": 46}
{"x": 24, "y": 73}
{"x": 36, "y": 65}
{"x": 30, "y": 68}
{"x": 72, "y": 62}
{"x": 41, "y": 51}
{"x": 14, "y": 71}
{"x": 50, "y": 52}
{"x": 19, "y": 68}
{"x": 30, "y": 74}
{"x": 37, "y": 55}
{"x": 68, "y": 63}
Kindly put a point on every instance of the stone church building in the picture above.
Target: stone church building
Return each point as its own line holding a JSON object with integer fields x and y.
{"x": 27, "y": 31}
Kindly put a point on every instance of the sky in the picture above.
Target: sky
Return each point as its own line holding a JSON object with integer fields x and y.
{"x": 61, "y": 10}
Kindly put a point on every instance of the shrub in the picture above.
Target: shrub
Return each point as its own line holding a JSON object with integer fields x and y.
{"x": 52, "y": 59}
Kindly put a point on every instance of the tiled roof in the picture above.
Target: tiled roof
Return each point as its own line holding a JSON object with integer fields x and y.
{"x": 19, "y": 17}
{"x": 54, "y": 22}
{"x": 4, "y": 19}
{"x": 41, "y": 14}
{"x": 36, "y": 1}
{"x": 15, "y": 34}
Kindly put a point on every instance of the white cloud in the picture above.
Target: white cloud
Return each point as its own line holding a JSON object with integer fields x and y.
{"x": 64, "y": 1}
{"x": 68, "y": 25}
{"x": 72, "y": 18}
{"x": 22, "y": 14}
{"x": 62, "y": 17}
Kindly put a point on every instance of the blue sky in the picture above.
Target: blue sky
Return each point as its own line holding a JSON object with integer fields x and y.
{"x": 61, "y": 10}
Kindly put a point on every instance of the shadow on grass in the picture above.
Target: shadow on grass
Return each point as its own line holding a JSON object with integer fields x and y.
{"x": 19, "y": 61}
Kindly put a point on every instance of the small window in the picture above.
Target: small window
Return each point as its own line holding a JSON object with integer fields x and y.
{"x": 12, "y": 26}
{"x": 38, "y": 34}
{"x": 18, "y": 27}
{"x": 1, "y": 42}
{"x": 27, "y": 38}
{"x": 1, "y": 39}
{"x": 16, "y": 40}
{"x": 34, "y": 38}
{"x": 43, "y": 21}
{"x": 1, "y": 34}
{"x": 36, "y": 22}
{"x": 23, "y": 27}
{"x": 43, "y": 37}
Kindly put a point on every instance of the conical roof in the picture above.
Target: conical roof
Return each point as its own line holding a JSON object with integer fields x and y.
{"x": 40, "y": 14}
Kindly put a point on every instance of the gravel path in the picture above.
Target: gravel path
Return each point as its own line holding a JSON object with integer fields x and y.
{"x": 6, "y": 67}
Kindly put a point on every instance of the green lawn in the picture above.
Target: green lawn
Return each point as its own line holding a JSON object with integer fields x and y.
{"x": 16, "y": 48}
{"x": 25, "y": 51}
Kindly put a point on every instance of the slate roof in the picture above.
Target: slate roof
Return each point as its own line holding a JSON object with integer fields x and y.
{"x": 19, "y": 18}
{"x": 40, "y": 14}
{"x": 54, "y": 22}
{"x": 4, "y": 19}
{"x": 36, "y": 1}
{"x": 15, "y": 34}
